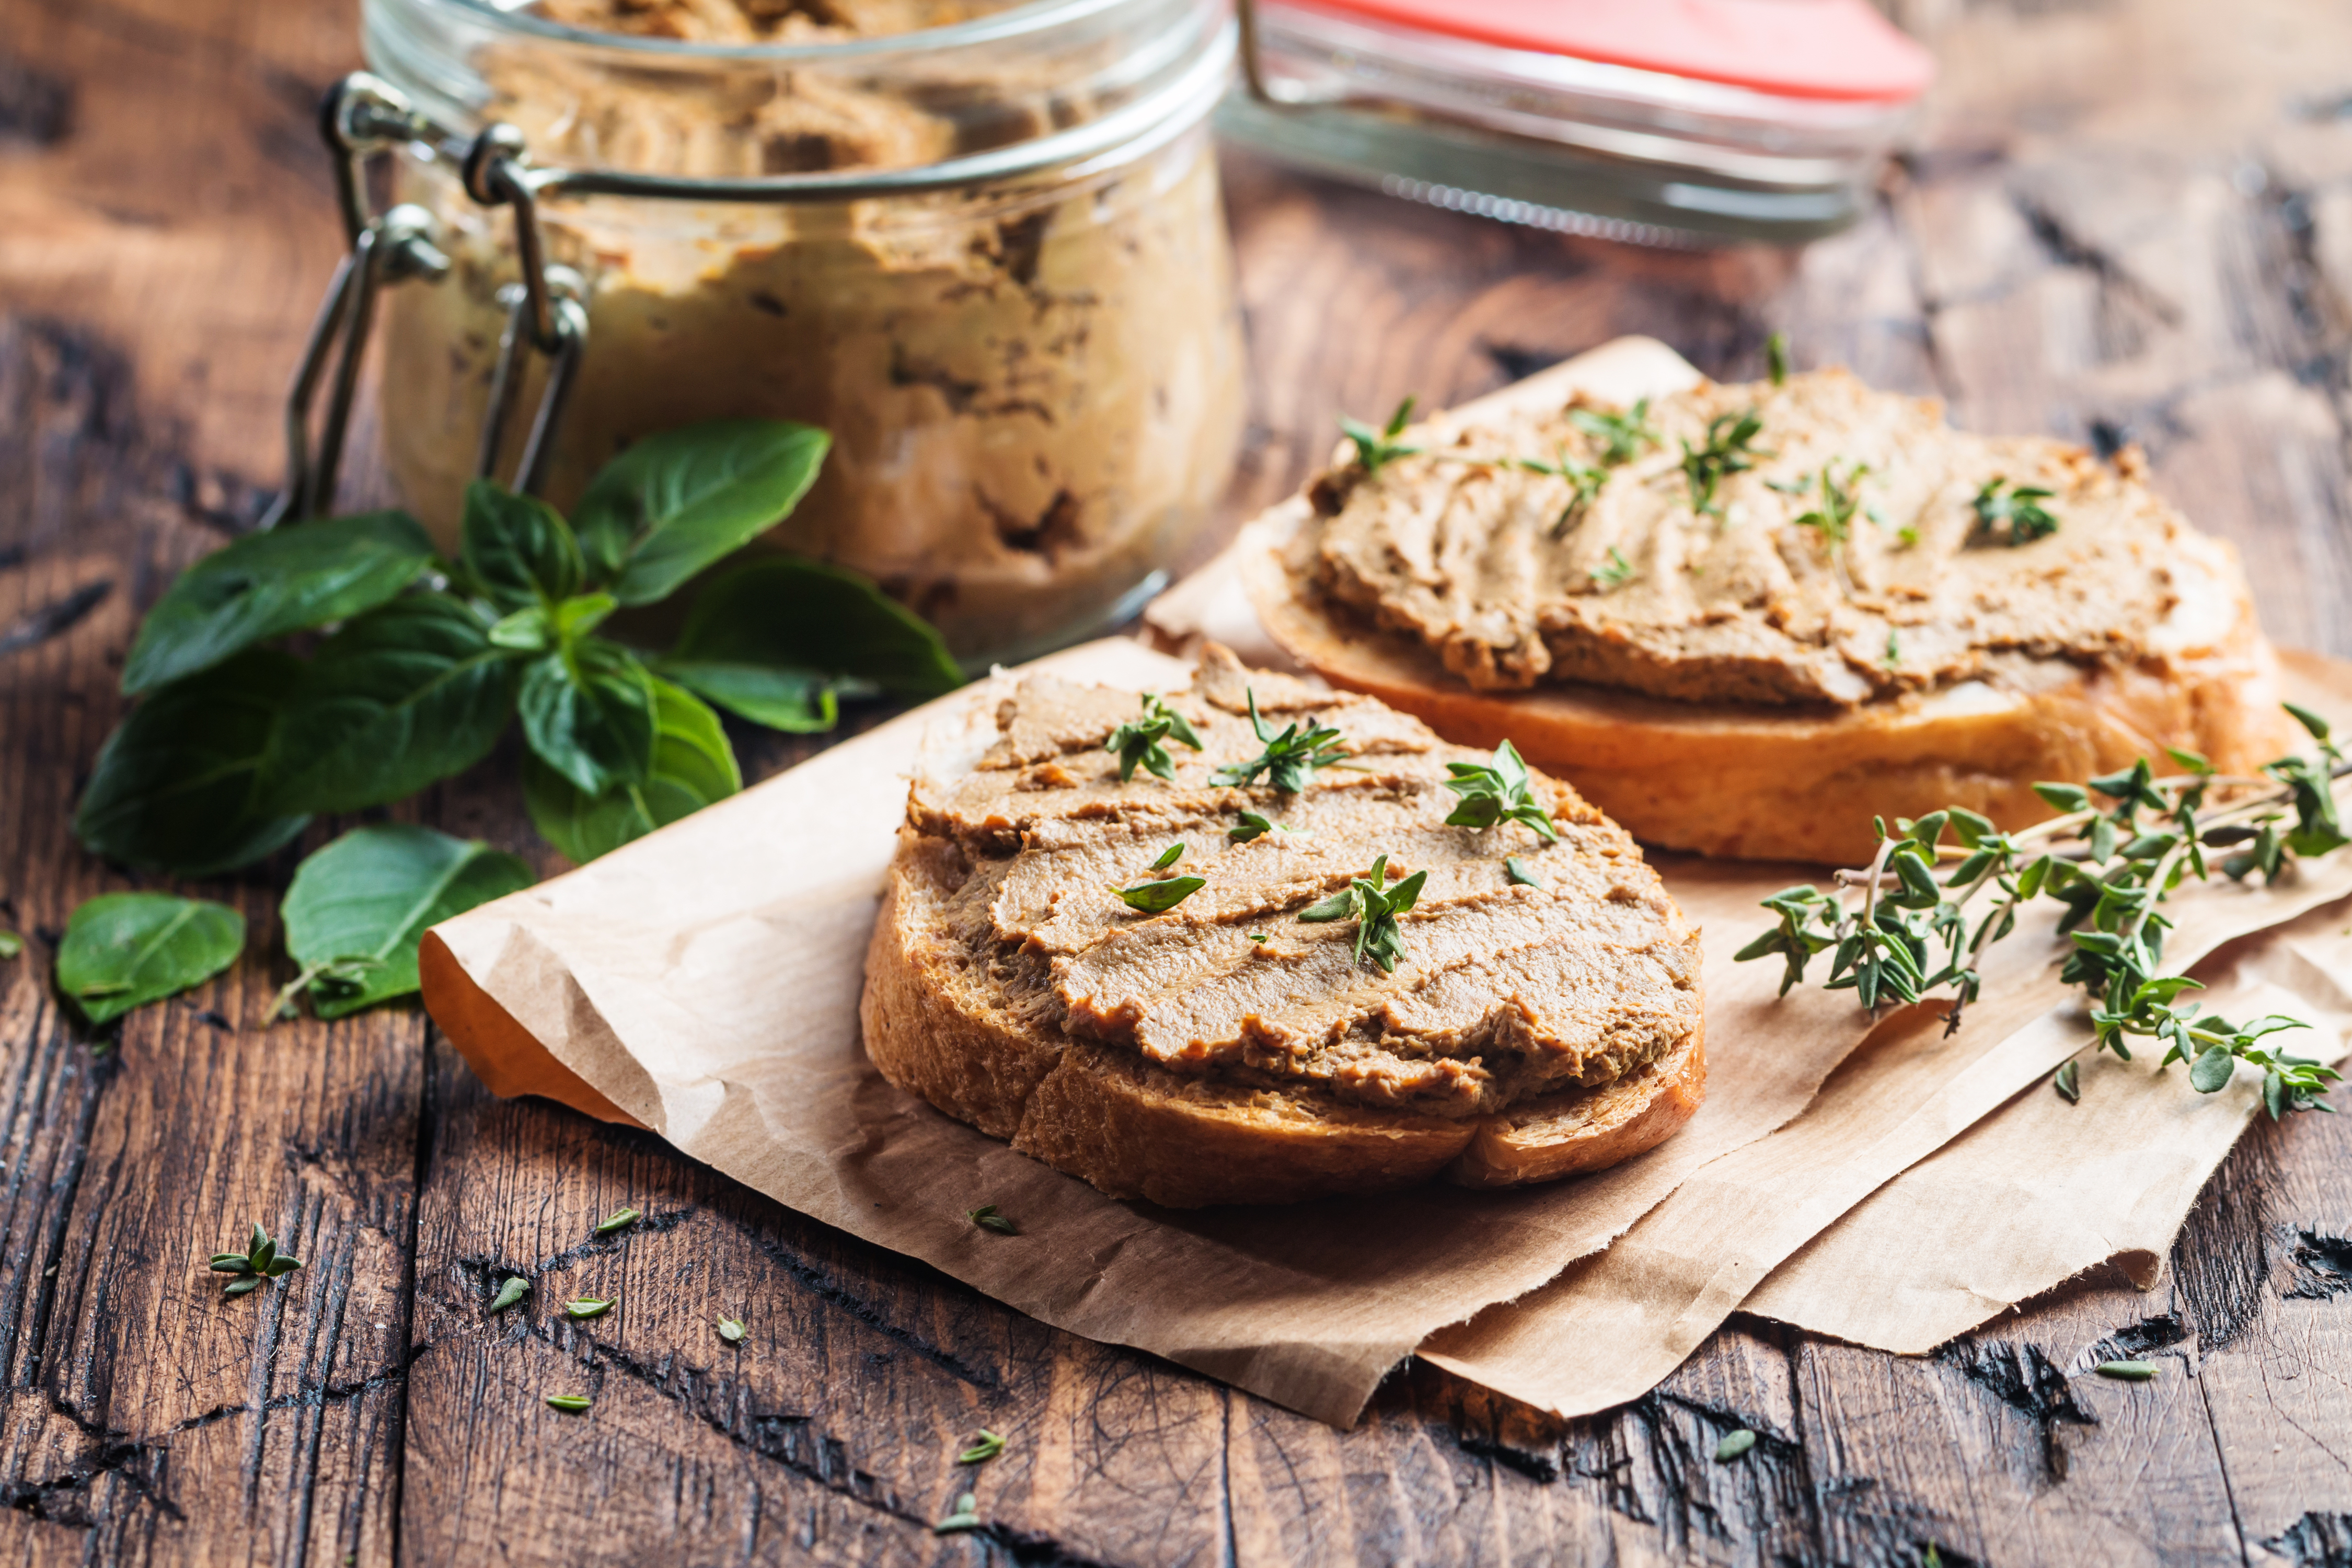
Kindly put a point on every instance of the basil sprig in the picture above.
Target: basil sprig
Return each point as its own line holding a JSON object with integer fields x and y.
{"x": 2112, "y": 865}
{"x": 410, "y": 669}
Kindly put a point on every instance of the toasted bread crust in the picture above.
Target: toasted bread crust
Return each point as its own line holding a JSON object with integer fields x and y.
{"x": 1759, "y": 785}
{"x": 1137, "y": 1130}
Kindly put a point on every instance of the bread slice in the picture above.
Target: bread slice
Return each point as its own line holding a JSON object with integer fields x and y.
{"x": 1491, "y": 1060}
{"x": 1756, "y": 781}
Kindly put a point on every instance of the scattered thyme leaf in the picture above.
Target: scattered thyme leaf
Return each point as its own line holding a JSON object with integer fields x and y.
{"x": 258, "y": 1264}
{"x": 1142, "y": 741}
{"x": 1734, "y": 1445}
{"x": 1621, "y": 436}
{"x": 1170, "y": 856}
{"x": 571, "y": 1404}
{"x": 984, "y": 1447}
{"x": 1516, "y": 870}
{"x": 1376, "y": 449}
{"x": 587, "y": 1307}
{"x": 1729, "y": 449}
{"x": 619, "y": 1219}
{"x": 963, "y": 1518}
{"x": 1255, "y": 825}
{"x": 2128, "y": 1371}
{"x": 1775, "y": 358}
{"x": 1613, "y": 573}
{"x": 731, "y": 1330}
{"x": 11, "y": 944}
{"x": 1257, "y": 936}
{"x": 1894, "y": 649}
{"x": 1497, "y": 791}
{"x": 987, "y": 1218}
{"x": 1291, "y": 759}
{"x": 2010, "y": 514}
{"x": 2067, "y": 1082}
{"x": 513, "y": 1291}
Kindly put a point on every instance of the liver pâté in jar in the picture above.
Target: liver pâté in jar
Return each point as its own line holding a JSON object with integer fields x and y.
{"x": 979, "y": 244}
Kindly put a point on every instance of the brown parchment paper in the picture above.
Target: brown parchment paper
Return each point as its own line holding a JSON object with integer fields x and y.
{"x": 703, "y": 982}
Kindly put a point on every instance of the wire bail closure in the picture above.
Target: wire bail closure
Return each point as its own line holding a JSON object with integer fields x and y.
{"x": 362, "y": 116}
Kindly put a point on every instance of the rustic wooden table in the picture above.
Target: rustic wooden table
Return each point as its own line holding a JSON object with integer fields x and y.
{"x": 2121, "y": 222}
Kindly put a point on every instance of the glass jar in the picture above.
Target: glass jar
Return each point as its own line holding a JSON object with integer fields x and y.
{"x": 990, "y": 258}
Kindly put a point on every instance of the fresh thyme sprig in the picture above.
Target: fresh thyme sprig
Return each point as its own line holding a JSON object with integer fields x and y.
{"x": 1375, "y": 905}
{"x": 1584, "y": 482}
{"x": 258, "y": 1264}
{"x": 1621, "y": 436}
{"x": 1613, "y": 573}
{"x": 1290, "y": 758}
{"x": 1142, "y": 740}
{"x": 2010, "y": 514}
{"x": 2111, "y": 865}
{"x": 1497, "y": 791}
{"x": 1730, "y": 449}
{"x": 1832, "y": 520}
{"x": 1376, "y": 449}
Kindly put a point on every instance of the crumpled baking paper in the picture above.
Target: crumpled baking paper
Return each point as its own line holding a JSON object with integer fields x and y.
{"x": 703, "y": 982}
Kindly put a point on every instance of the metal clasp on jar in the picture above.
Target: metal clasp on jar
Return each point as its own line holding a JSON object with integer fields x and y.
{"x": 362, "y": 116}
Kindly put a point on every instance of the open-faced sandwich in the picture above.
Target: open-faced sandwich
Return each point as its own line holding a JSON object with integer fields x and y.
{"x": 1746, "y": 619}
{"x": 1251, "y": 942}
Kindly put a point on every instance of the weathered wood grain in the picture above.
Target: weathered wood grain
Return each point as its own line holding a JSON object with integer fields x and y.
{"x": 2119, "y": 222}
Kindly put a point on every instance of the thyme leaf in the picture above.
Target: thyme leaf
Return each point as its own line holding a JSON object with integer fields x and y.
{"x": 1375, "y": 449}
{"x": 1832, "y": 520}
{"x": 731, "y": 1330}
{"x": 1584, "y": 483}
{"x": 1497, "y": 791}
{"x": 1142, "y": 740}
{"x": 1621, "y": 436}
{"x": 571, "y": 1404}
{"x": 1375, "y": 904}
{"x": 984, "y": 1447}
{"x": 2010, "y": 514}
{"x": 619, "y": 1219}
{"x": 1775, "y": 358}
{"x": 965, "y": 1516}
{"x": 1290, "y": 758}
{"x": 1729, "y": 449}
{"x": 513, "y": 1291}
{"x": 258, "y": 1264}
{"x": 1613, "y": 573}
{"x": 987, "y": 1218}
{"x": 1157, "y": 897}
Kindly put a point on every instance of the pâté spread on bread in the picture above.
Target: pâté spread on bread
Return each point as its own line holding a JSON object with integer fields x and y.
{"x": 1731, "y": 611}
{"x": 1353, "y": 994}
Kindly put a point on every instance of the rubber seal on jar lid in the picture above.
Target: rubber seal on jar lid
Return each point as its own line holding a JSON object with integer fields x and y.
{"x": 1800, "y": 48}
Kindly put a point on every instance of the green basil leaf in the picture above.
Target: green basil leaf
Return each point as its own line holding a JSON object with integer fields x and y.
{"x": 789, "y": 614}
{"x": 177, "y": 784}
{"x": 125, "y": 949}
{"x": 588, "y": 713}
{"x": 267, "y": 585}
{"x": 398, "y": 698}
{"x": 363, "y": 902}
{"x": 692, "y": 766}
{"x": 519, "y": 551}
{"x": 800, "y": 701}
{"x": 682, "y": 500}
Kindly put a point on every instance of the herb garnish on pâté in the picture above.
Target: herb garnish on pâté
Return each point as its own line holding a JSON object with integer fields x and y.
{"x": 1291, "y": 758}
{"x": 1142, "y": 740}
{"x": 2112, "y": 865}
